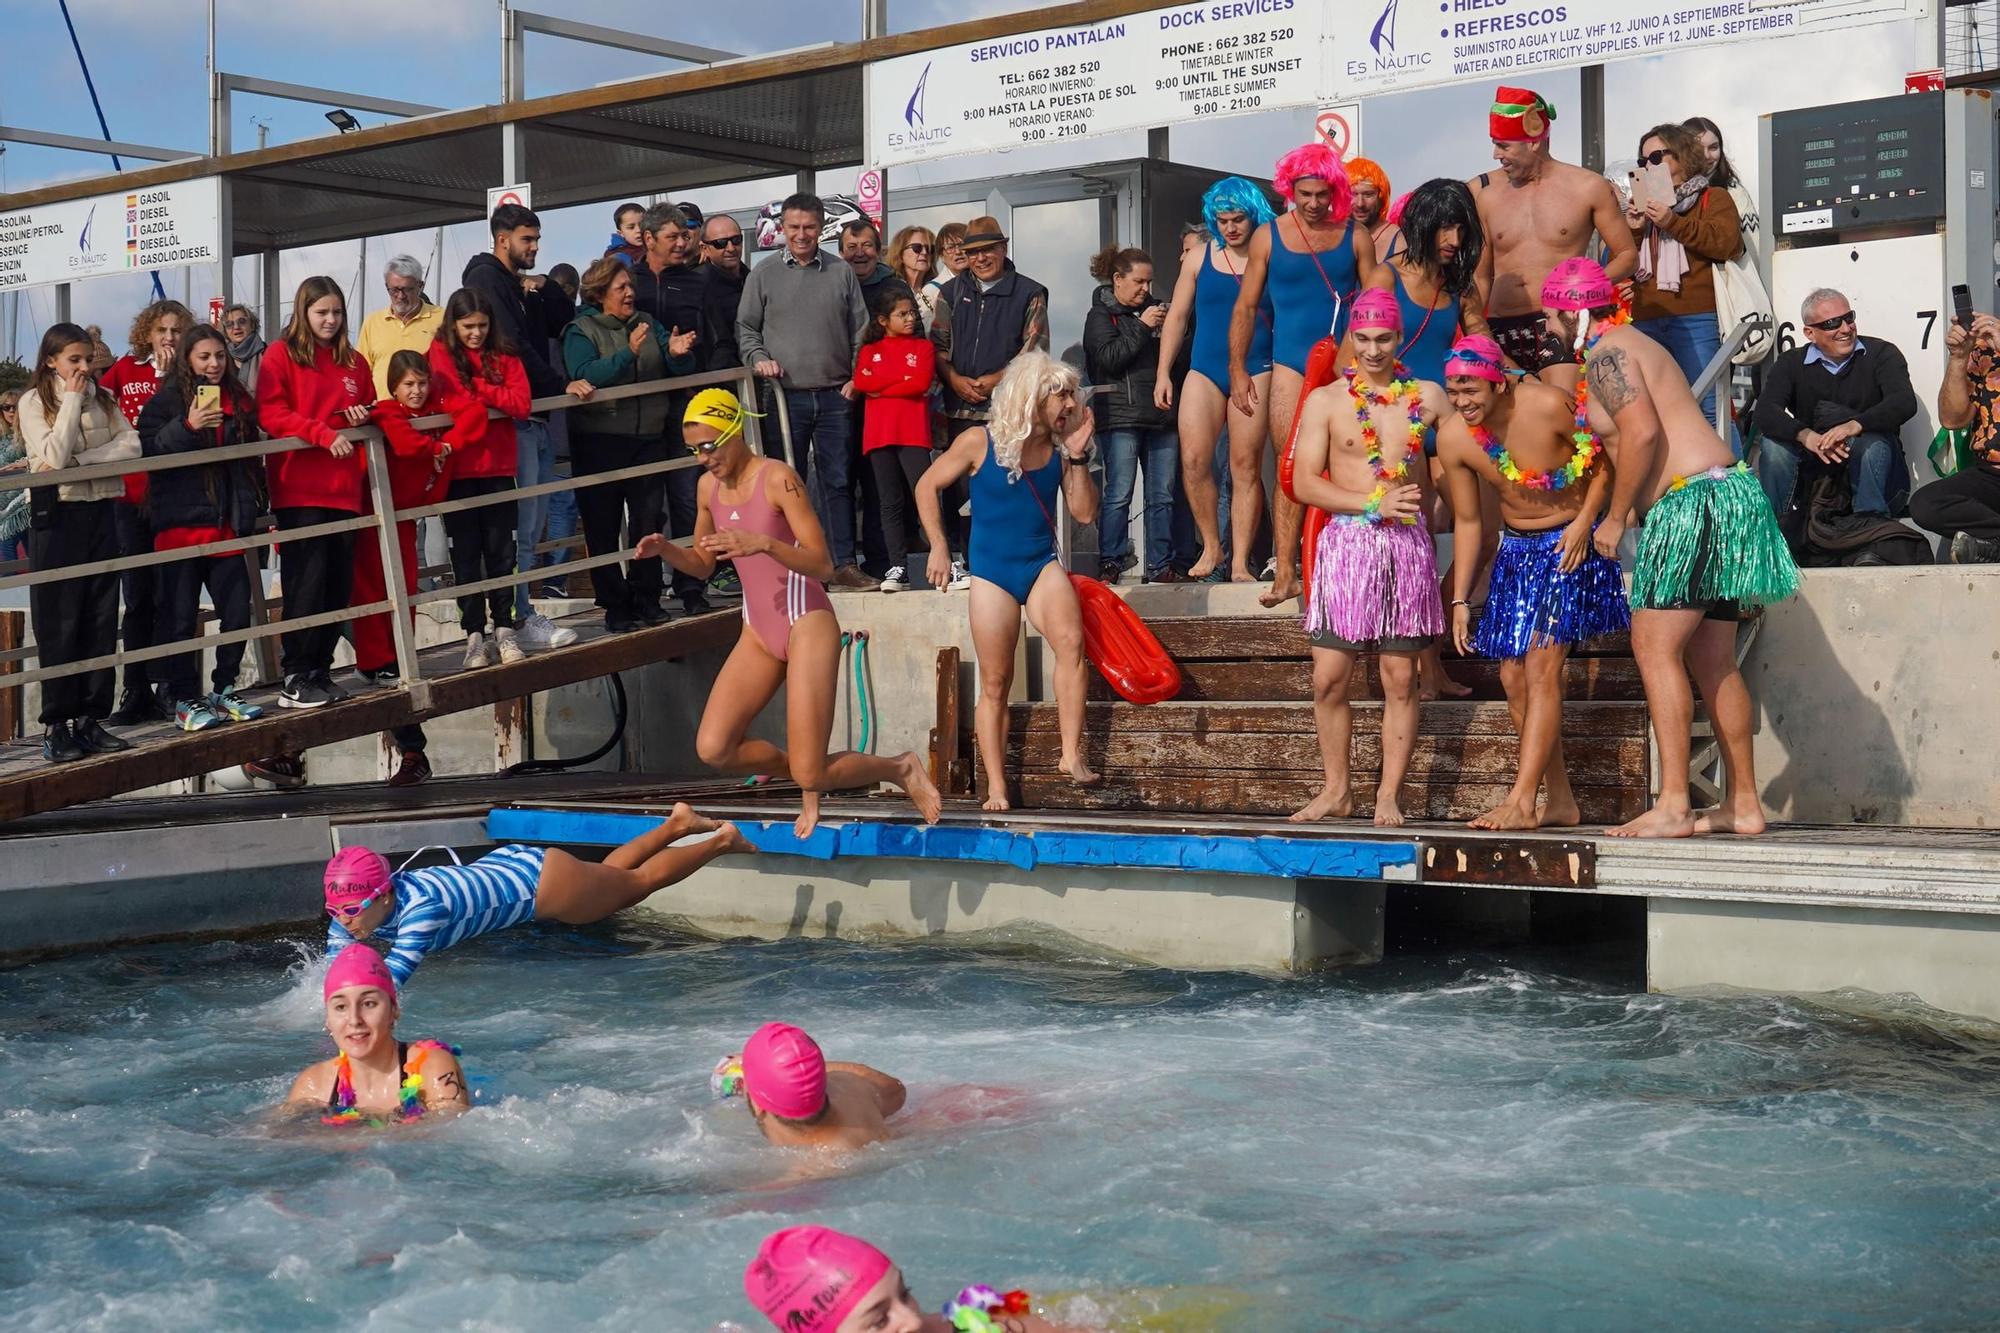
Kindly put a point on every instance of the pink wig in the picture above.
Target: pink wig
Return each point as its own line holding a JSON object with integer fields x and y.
{"x": 1395, "y": 213}
{"x": 1310, "y": 161}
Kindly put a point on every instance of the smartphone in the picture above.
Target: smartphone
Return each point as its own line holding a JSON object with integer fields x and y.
{"x": 1961, "y": 305}
{"x": 207, "y": 396}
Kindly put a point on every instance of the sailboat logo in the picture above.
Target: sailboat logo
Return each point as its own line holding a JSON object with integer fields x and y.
{"x": 913, "y": 114}
{"x": 1383, "y": 37}
{"x": 83, "y": 236}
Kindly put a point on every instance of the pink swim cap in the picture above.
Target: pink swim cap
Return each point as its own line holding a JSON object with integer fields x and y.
{"x": 1376, "y": 309}
{"x": 354, "y": 874}
{"x": 358, "y": 965}
{"x": 784, "y": 1072}
{"x": 1578, "y": 284}
{"x": 808, "y": 1279}
{"x": 1478, "y": 356}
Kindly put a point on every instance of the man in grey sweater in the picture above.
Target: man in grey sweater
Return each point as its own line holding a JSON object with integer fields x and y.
{"x": 800, "y": 323}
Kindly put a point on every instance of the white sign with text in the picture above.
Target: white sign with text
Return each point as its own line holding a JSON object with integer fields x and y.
{"x": 165, "y": 226}
{"x": 1161, "y": 67}
{"x": 1391, "y": 46}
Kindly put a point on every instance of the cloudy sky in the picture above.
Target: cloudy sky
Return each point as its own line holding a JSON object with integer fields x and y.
{"x": 147, "y": 59}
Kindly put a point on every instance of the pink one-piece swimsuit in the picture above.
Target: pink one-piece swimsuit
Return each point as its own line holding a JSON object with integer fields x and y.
{"x": 774, "y": 598}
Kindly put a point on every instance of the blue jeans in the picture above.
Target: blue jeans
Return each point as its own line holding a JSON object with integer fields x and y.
{"x": 1876, "y": 470}
{"x": 534, "y": 463}
{"x": 822, "y": 432}
{"x": 13, "y": 548}
{"x": 1123, "y": 450}
{"x": 1692, "y": 341}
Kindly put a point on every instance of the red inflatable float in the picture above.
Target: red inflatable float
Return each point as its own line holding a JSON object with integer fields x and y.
{"x": 1119, "y": 644}
{"x": 1320, "y": 370}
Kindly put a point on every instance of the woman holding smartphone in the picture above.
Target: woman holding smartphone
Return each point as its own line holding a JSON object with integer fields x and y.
{"x": 68, "y": 421}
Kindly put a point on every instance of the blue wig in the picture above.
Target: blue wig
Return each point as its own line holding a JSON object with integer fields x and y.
{"x": 1233, "y": 194}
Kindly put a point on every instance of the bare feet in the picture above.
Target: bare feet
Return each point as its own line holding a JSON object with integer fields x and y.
{"x": 1331, "y": 803}
{"x": 808, "y": 819}
{"x": 1082, "y": 774}
{"x": 1730, "y": 818}
{"x": 1388, "y": 813}
{"x": 1433, "y": 681}
{"x": 1563, "y": 815}
{"x": 1283, "y": 589}
{"x": 684, "y": 820}
{"x": 1243, "y": 576}
{"x": 996, "y": 800}
{"x": 917, "y": 785}
{"x": 1658, "y": 822}
{"x": 1508, "y": 815}
{"x": 728, "y": 838}
{"x": 1211, "y": 556}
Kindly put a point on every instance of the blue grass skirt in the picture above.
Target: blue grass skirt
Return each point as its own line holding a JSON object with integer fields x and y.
{"x": 1532, "y": 603}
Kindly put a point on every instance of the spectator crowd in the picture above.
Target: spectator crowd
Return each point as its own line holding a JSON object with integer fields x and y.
{"x": 880, "y": 356}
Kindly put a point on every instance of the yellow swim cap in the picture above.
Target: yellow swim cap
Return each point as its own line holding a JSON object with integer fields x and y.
{"x": 717, "y": 408}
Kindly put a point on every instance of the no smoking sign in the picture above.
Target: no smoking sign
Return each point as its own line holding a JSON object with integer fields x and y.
{"x": 1339, "y": 128}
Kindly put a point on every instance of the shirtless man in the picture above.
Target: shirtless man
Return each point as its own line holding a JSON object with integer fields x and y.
{"x": 1537, "y": 214}
{"x": 799, "y": 1100}
{"x": 1313, "y": 259}
{"x": 1709, "y": 546}
{"x": 1550, "y": 589}
{"x": 1371, "y": 201}
{"x": 1360, "y": 457}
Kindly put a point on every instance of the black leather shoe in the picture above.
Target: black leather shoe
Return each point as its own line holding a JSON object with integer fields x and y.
{"x": 650, "y": 613}
{"x": 696, "y": 604}
{"x": 59, "y": 744}
{"x": 620, "y": 622}
{"x": 136, "y": 705}
{"x": 91, "y": 735}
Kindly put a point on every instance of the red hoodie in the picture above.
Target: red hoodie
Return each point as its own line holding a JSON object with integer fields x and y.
{"x": 414, "y": 477}
{"x": 895, "y": 374}
{"x": 306, "y": 402}
{"x": 493, "y": 454}
{"x": 134, "y": 382}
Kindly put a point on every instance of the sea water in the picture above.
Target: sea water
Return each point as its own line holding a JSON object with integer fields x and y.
{"x": 1450, "y": 1142}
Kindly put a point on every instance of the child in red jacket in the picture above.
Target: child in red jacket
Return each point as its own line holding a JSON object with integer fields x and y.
{"x": 471, "y": 359}
{"x": 893, "y": 372}
{"x": 311, "y": 384}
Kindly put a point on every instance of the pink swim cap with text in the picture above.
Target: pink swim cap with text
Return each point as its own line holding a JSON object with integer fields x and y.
{"x": 358, "y": 965}
{"x": 808, "y": 1279}
{"x": 354, "y": 874}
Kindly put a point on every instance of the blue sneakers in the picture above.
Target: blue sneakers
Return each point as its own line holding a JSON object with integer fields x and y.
{"x": 194, "y": 715}
{"x": 233, "y": 706}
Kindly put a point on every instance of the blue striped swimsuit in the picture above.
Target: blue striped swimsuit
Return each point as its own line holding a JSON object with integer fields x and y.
{"x": 445, "y": 905}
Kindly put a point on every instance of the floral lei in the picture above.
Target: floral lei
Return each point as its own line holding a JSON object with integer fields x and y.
{"x": 973, "y": 1310}
{"x": 410, "y": 1096}
{"x": 1588, "y": 447}
{"x": 1402, "y": 386}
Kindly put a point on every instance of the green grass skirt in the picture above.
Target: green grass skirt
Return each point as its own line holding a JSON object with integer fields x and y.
{"x": 1712, "y": 539}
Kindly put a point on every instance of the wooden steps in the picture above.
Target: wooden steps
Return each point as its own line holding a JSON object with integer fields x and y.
{"x": 1240, "y": 737}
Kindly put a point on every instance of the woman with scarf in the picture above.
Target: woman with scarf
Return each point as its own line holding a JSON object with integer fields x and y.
{"x": 241, "y": 328}
{"x": 1673, "y": 291}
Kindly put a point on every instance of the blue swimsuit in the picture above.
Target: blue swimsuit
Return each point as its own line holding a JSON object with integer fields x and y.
{"x": 1298, "y": 290}
{"x": 1013, "y": 537}
{"x": 1215, "y": 293}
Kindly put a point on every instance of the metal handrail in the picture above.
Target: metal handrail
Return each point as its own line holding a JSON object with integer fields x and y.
{"x": 1719, "y": 365}
{"x": 397, "y": 602}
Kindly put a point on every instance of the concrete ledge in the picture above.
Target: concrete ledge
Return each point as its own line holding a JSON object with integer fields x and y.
{"x": 72, "y": 890}
{"x": 1908, "y": 875}
{"x": 1179, "y": 919}
{"x": 1944, "y": 959}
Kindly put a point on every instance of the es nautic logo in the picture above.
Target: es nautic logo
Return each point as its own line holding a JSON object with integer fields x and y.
{"x": 83, "y": 236}
{"x": 1383, "y": 37}
{"x": 913, "y": 114}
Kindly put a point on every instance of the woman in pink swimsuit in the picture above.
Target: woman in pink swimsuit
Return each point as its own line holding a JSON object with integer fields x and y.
{"x": 754, "y": 511}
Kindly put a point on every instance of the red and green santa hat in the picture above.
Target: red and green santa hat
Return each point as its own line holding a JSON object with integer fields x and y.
{"x": 1519, "y": 114}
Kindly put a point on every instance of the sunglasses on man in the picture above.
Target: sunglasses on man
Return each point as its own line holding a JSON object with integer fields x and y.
{"x": 1829, "y": 325}
{"x": 727, "y": 242}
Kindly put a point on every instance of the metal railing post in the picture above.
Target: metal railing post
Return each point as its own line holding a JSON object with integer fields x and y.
{"x": 408, "y": 669}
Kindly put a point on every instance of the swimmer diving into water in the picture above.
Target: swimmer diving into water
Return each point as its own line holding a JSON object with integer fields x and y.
{"x": 419, "y": 912}
{"x": 754, "y": 513}
{"x": 375, "y": 1077}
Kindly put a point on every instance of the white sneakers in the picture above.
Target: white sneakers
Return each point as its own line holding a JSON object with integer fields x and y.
{"x": 475, "y": 652}
{"x": 509, "y": 645}
{"x": 539, "y": 634}
{"x": 896, "y": 580}
{"x": 960, "y": 580}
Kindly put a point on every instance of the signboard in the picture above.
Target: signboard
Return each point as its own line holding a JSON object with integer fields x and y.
{"x": 1924, "y": 81}
{"x": 1162, "y": 67}
{"x": 868, "y": 193}
{"x": 522, "y": 194}
{"x": 165, "y": 226}
{"x": 1339, "y": 128}
{"x": 1394, "y": 47}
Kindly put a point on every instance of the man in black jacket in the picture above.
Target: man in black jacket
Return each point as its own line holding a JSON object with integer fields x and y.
{"x": 1121, "y": 343}
{"x": 527, "y": 312}
{"x": 984, "y": 318}
{"x": 722, "y": 261}
{"x": 1841, "y": 400}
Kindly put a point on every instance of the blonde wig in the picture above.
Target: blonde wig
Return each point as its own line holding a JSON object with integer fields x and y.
{"x": 1030, "y": 379}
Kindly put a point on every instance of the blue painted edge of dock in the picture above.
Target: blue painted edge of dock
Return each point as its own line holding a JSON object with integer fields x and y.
{"x": 1287, "y": 858}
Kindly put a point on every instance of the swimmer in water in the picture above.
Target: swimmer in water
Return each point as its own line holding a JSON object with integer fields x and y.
{"x": 419, "y": 912}
{"x": 800, "y": 1100}
{"x": 375, "y": 1077}
{"x": 754, "y": 512}
{"x": 818, "y": 1280}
